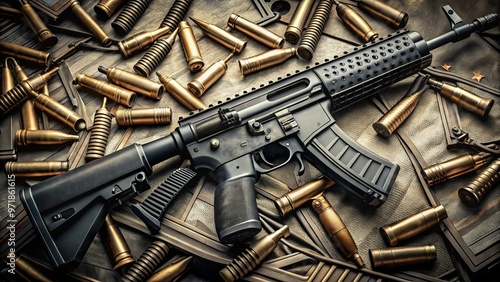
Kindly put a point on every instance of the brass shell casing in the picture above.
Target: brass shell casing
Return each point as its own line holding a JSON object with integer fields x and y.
{"x": 116, "y": 243}
{"x": 8, "y": 81}
{"x": 394, "y": 17}
{"x": 36, "y": 168}
{"x": 113, "y": 92}
{"x": 297, "y": 22}
{"x": 401, "y": 256}
{"x": 99, "y": 134}
{"x": 190, "y": 47}
{"x": 147, "y": 263}
{"x": 260, "y": 34}
{"x": 314, "y": 29}
{"x": 415, "y": 224}
{"x": 335, "y": 227}
{"x": 26, "y": 270}
{"x": 355, "y": 22}
{"x": 105, "y": 8}
{"x": 143, "y": 116}
{"x": 474, "y": 192}
{"x": 134, "y": 82}
{"x": 455, "y": 167}
{"x": 221, "y": 36}
{"x": 24, "y": 53}
{"x": 470, "y": 101}
{"x": 89, "y": 22}
{"x": 296, "y": 198}
{"x": 172, "y": 271}
{"x": 26, "y": 137}
{"x": 140, "y": 41}
{"x": 58, "y": 111}
{"x": 180, "y": 93}
{"x": 265, "y": 60}
{"x": 389, "y": 122}
{"x": 43, "y": 33}
{"x": 208, "y": 77}
{"x": 253, "y": 255}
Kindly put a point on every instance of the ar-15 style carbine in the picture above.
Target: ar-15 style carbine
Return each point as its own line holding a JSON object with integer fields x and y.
{"x": 240, "y": 139}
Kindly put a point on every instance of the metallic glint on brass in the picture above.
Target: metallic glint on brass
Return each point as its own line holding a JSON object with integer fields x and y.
{"x": 180, "y": 93}
{"x": 24, "y": 53}
{"x": 116, "y": 243}
{"x": 131, "y": 81}
{"x": 43, "y": 33}
{"x": 143, "y": 116}
{"x": 99, "y": 133}
{"x": 106, "y": 89}
{"x": 221, "y": 36}
{"x": 155, "y": 55}
{"x": 394, "y": 17}
{"x": 7, "y": 77}
{"x": 27, "y": 137}
{"x": 470, "y": 101}
{"x": 413, "y": 225}
{"x": 208, "y": 77}
{"x": 260, "y": 34}
{"x": 355, "y": 22}
{"x": 26, "y": 270}
{"x": 89, "y": 22}
{"x": 401, "y": 256}
{"x": 265, "y": 60}
{"x": 474, "y": 192}
{"x": 294, "y": 30}
{"x": 253, "y": 255}
{"x": 147, "y": 263}
{"x": 172, "y": 271}
{"x": 455, "y": 167}
{"x": 105, "y": 8}
{"x": 140, "y": 41}
{"x": 190, "y": 47}
{"x": 36, "y": 168}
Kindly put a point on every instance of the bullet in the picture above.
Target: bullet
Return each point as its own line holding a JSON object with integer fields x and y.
{"x": 36, "y": 168}
{"x": 140, "y": 41}
{"x": 394, "y": 17}
{"x": 28, "y": 114}
{"x": 113, "y": 92}
{"x": 355, "y": 22}
{"x": 401, "y": 256}
{"x": 190, "y": 47}
{"x": 260, "y": 34}
{"x": 115, "y": 243}
{"x": 413, "y": 225}
{"x": 155, "y": 55}
{"x": 181, "y": 94}
{"x": 265, "y": 60}
{"x": 27, "y": 137}
{"x": 99, "y": 134}
{"x": 208, "y": 77}
{"x": 26, "y": 270}
{"x": 470, "y": 101}
{"x": 455, "y": 167}
{"x": 89, "y": 22}
{"x": 221, "y": 36}
{"x": 133, "y": 82}
{"x": 294, "y": 29}
{"x": 143, "y": 116}
{"x": 7, "y": 77}
{"x": 147, "y": 263}
{"x": 172, "y": 271}
{"x": 24, "y": 53}
{"x": 46, "y": 38}
{"x": 105, "y": 8}
{"x": 474, "y": 192}
{"x": 253, "y": 255}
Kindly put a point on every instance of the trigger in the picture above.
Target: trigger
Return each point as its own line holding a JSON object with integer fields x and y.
{"x": 263, "y": 158}
{"x": 302, "y": 168}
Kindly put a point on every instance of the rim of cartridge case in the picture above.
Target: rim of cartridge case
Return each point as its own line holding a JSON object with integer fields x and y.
{"x": 196, "y": 88}
{"x": 48, "y": 40}
{"x": 403, "y": 21}
{"x": 390, "y": 240}
{"x": 468, "y": 197}
{"x": 141, "y": 70}
{"x": 305, "y": 52}
{"x": 102, "y": 10}
{"x": 292, "y": 34}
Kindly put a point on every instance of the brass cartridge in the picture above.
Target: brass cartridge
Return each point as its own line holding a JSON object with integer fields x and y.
{"x": 265, "y": 60}
{"x": 221, "y": 36}
{"x": 389, "y": 122}
{"x": 10, "y": 12}
{"x": 413, "y": 225}
{"x": 131, "y": 81}
{"x": 180, "y": 93}
{"x": 25, "y": 269}
{"x": 28, "y": 113}
{"x": 89, "y": 22}
{"x": 455, "y": 167}
{"x": 116, "y": 93}
{"x": 474, "y": 192}
{"x": 470, "y": 101}
{"x": 260, "y": 34}
{"x": 208, "y": 77}
{"x": 46, "y": 38}
{"x": 401, "y": 256}
{"x": 24, "y": 53}
{"x": 141, "y": 41}
{"x": 105, "y": 8}
{"x": 155, "y": 55}
{"x": 355, "y": 22}
{"x": 147, "y": 263}
{"x": 26, "y": 137}
{"x": 58, "y": 111}
{"x": 7, "y": 77}
{"x": 143, "y": 116}
{"x": 253, "y": 255}
{"x": 314, "y": 29}
{"x": 394, "y": 17}
{"x": 297, "y": 22}
{"x": 190, "y": 47}
{"x": 172, "y": 271}
{"x": 99, "y": 134}
{"x": 36, "y": 168}
{"x": 116, "y": 243}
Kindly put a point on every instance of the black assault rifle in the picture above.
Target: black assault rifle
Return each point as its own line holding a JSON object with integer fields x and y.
{"x": 241, "y": 139}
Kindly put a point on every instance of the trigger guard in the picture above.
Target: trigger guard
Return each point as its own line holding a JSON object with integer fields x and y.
{"x": 260, "y": 169}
